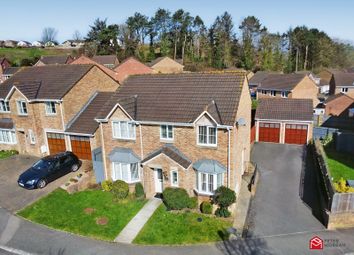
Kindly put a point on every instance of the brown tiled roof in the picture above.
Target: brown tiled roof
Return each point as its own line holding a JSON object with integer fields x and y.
{"x": 131, "y": 66}
{"x": 84, "y": 122}
{"x": 285, "y": 109}
{"x": 344, "y": 79}
{"x": 105, "y": 59}
{"x": 45, "y": 82}
{"x": 332, "y": 97}
{"x": 55, "y": 60}
{"x": 11, "y": 70}
{"x": 281, "y": 81}
{"x": 171, "y": 152}
{"x": 258, "y": 77}
{"x": 179, "y": 97}
{"x": 6, "y": 123}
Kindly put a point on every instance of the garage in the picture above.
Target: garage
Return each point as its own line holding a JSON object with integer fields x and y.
{"x": 56, "y": 143}
{"x": 269, "y": 132}
{"x": 295, "y": 134}
{"x": 80, "y": 146}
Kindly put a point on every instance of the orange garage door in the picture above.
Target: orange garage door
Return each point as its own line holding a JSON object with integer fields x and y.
{"x": 56, "y": 143}
{"x": 80, "y": 146}
{"x": 295, "y": 134}
{"x": 269, "y": 132}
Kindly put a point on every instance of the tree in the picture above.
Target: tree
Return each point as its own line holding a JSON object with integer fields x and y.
{"x": 49, "y": 34}
{"x": 139, "y": 26}
{"x": 77, "y": 35}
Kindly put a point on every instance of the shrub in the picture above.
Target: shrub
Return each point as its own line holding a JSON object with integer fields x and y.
{"x": 193, "y": 203}
{"x": 107, "y": 185}
{"x": 224, "y": 197}
{"x": 341, "y": 186}
{"x": 120, "y": 189}
{"x": 176, "y": 198}
{"x": 206, "y": 207}
{"x": 139, "y": 190}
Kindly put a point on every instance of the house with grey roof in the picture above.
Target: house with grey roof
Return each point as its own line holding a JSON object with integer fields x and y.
{"x": 54, "y": 60}
{"x": 109, "y": 61}
{"x": 342, "y": 82}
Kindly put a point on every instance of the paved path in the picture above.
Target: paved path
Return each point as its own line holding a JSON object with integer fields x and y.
{"x": 241, "y": 208}
{"x": 133, "y": 228}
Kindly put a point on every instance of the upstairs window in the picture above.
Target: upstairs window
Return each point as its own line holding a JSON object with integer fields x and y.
{"x": 284, "y": 94}
{"x": 123, "y": 130}
{"x": 4, "y": 106}
{"x": 50, "y": 108}
{"x": 344, "y": 90}
{"x": 22, "y": 107}
{"x": 207, "y": 135}
{"x": 166, "y": 132}
{"x": 273, "y": 93}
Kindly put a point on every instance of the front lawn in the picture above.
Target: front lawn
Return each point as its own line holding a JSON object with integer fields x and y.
{"x": 6, "y": 154}
{"x": 181, "y": 228}
{"x": 340, "y": 164}
{"x": 62, "y": 211}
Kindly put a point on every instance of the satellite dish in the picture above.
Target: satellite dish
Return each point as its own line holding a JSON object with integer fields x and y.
{"x": 241, "y": 122}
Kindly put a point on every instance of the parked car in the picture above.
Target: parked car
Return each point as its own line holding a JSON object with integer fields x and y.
{"x": 49, "y": 169}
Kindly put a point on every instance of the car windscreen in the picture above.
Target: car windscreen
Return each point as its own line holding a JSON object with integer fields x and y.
{"x": 43, "y": 164}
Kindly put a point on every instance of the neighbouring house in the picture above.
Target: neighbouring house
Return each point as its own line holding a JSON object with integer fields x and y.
{"x": 38, "y": 103}
{"x": 73, "y": 44}
{"x": 10, "y": 44}
{"x": 37, "y": 44}
{"x": 50, "y": 44}
{"x": 166, "y": 65}
{"x": 131, "y": 66}
{"x": 280, "y": 120}
{"x": 4, "y": 64}
{"x": 54, "y": 60}
{"x": 325, "y": 77}
{"x": 256, "y": 80}
{"x": 8, "y": 72}
{"x": 109, "y": 61}
{"x": 171, "y": 130}
{"x": 318, "y": 114}
{"x": 342, "y": 83}
{"x": 24, "y": 44}
{"x": 288, "y": 86}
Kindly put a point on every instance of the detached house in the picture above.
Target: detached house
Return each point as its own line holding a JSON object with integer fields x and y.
{"x": 54, "y": 60}
{"x": 166, "y": 65}
{"x": 131, "y": 66}
{"x": 288, "y": 86}
{"x": 187, "y": 130}
{"x": 342, "y": 83}
{"x": 4, "y": 64}
{"x": 37, "y": 103}
{"x": 109, "y": 61}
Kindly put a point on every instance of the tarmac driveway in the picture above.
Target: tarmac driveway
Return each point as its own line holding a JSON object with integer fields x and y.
{"x": 286, "y": 195}
{"x": 12, "y": 196}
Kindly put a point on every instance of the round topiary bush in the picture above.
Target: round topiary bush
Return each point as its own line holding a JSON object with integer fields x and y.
{"x": 176, "y": 198}
{"x": 224, "y": 197}
{"x": 222, "y": 212}
{"x": 139, "y": 190}
{"x": 193, "y": 203}
{"x": 206, "y": 207}
{"x": 120, "y": 189}
{"x": 107, "y": 185}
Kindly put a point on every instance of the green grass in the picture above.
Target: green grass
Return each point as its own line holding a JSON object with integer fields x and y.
{"x": 341, "y": 165}
{"x": 15, "y": 55}
{"x": 181, "y": 228}
{"x": 62, "y": 211}
{"x": 6, "y": 154}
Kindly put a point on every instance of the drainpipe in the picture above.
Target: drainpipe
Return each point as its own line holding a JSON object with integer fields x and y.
{"x": 141, "y": 152}
{"x": 103, "y": 152}
{"x": 228, "y": 157}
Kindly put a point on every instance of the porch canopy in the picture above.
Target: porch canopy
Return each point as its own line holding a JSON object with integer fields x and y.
{"x": 209, "y": 166}
{"x": 123, "y": 155}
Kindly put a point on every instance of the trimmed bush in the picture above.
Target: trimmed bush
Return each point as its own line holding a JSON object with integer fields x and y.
{"x": 206, "y": 207}
{"x": 193, "y": 203}
{"x": 176, "y": 198}
{"x": 107, "y": 185}
{"x": 120, "y": 190}
{"x": 224, "y": 197}
{"x": 222, "y": 212}
{"x": 139, "y": 190}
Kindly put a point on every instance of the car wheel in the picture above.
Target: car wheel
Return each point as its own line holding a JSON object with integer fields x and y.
{"x": 74, "y": 168}
{"x": 41, "y": 183}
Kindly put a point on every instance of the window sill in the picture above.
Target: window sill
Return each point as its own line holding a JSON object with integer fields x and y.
{"x": 131, "y": 182}
{"x": 125, "y": 139}
{"x": 210, "y": 146}
{"x": 8, "y": 143}
{"x": 50, "y": 114}
{"x": 22, "y": 115}
{"x": 202, "y": 193}
{"x": 5, "y": 112}
{"x": 163, "y": 140}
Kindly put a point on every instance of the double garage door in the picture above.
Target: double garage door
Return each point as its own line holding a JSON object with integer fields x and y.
{"x": 80, "y": 145}
{"x": 294, "y": 133}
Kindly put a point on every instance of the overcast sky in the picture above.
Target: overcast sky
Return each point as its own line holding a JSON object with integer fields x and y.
{"x": 24, "y": 20}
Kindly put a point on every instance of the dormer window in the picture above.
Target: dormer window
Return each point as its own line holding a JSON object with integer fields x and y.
{"x": 4, "y": 106}
{"x": 50, "y": 108}
{"x": 207, "y": 135}
{"x": 22, "y": 107}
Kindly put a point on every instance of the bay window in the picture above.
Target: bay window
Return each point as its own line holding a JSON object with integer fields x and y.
{"x": 7, "y": 136}
{"x": 4, "y": 106}
{"x": 207, "y": 135}
{"x": 208, "y": 183}
{"x": 125, "y": 172}
{"x": 123, "y": 130}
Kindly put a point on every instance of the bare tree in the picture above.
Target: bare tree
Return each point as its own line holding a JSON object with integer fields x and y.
{"x": 77, "y": 35}
{"x": 49, "y": 34}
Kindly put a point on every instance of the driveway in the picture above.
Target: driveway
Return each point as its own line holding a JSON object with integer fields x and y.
{"x": 13, "y": 197}
{"x": 286, "y": 196}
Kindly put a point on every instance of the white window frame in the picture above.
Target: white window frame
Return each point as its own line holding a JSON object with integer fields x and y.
{"x": 31, "y": 136}
{"x": 118, "y": 166}
{"x": 20, "y": 108}
{"x": 284, "y": 94}
{"x": 11, "y": 135}
{"x": 216, "y": 183}
{"x": 5, "y": 106}
{"x": 344, "y": 90}
{"x": 49, "y": 108}
{"x": 172, "y": 181}
{"x": 117, "y": 129}
{"x": 272, "y": 93}
{"x": 208, "y": 144}
{"x": 167, "y": 132}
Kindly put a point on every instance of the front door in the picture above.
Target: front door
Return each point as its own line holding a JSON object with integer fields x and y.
{"x": 158, "y": 180}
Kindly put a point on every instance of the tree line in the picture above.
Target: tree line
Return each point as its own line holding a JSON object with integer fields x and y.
{"x": 251, "y": 45}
